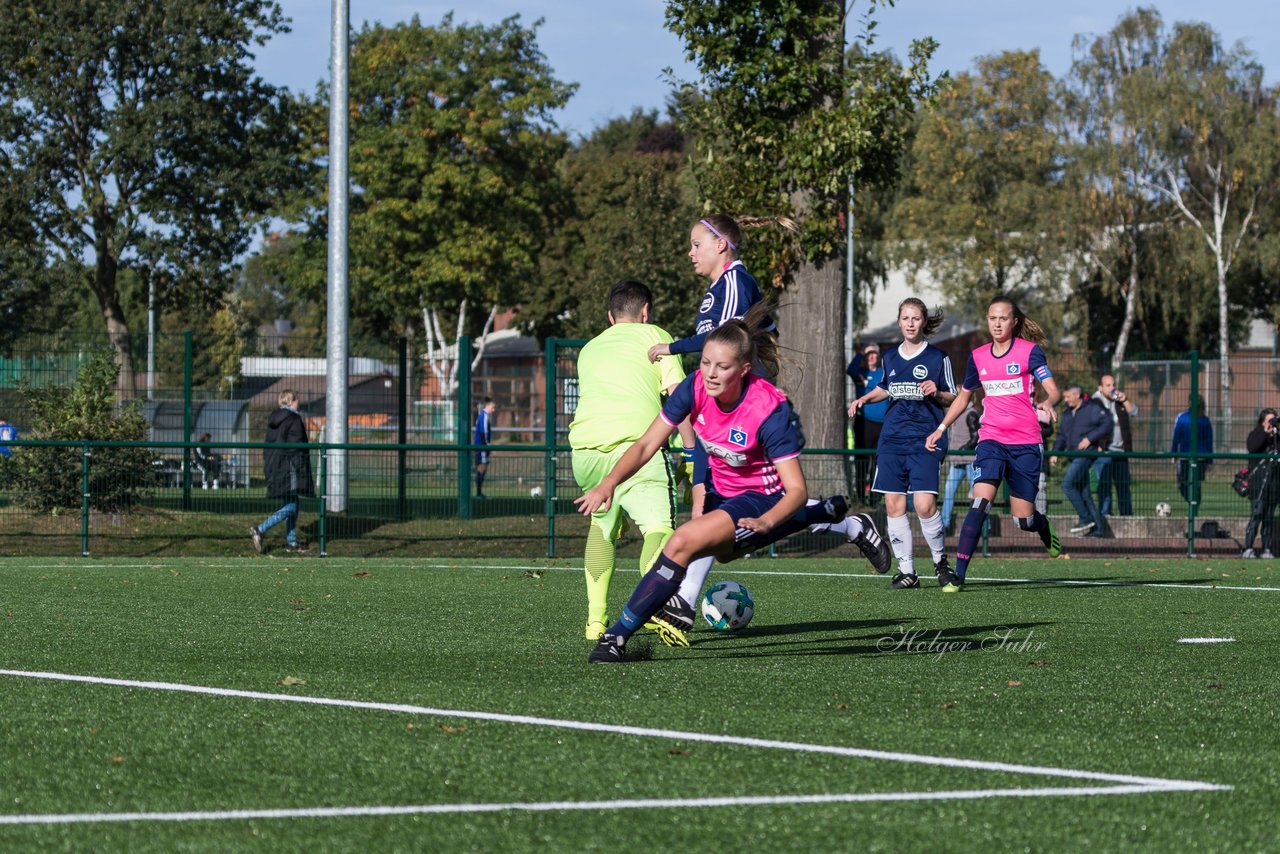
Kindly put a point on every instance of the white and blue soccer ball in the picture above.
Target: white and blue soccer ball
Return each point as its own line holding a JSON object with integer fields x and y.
{"x": 727, "y": 606}
{"x": 1163, "y": 509}
{"x": 535, "y": 492}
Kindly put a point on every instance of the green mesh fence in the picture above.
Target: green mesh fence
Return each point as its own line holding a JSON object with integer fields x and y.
{"x": 411, "y": 465}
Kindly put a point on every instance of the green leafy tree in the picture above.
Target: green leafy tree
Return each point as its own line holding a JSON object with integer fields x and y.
{"x": 978, "y": 210}
{"x": 783, "y": 121}
{"x": 1216, "y": 142}
{"x": 49, "y": 479}
{"x": 632, "y": 204}
{"x": 453, "y": 159}
{"x": 136, "y": 135}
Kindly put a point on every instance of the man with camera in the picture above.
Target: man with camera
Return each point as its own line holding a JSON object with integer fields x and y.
{"x": 1264, "y": 484}
{"x": 1114, "y": 471}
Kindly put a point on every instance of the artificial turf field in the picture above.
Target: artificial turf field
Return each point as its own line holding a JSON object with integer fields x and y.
{"x": 333, "y": 704}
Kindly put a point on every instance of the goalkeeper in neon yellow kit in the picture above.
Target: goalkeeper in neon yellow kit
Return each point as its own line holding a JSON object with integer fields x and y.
{"x": 619, "y": 394}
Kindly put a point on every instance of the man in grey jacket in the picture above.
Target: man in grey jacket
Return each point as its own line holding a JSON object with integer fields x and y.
{"x": 1084, "y": 426}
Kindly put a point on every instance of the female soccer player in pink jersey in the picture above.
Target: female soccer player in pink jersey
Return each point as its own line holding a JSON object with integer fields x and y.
{"x": 1009, "y": 443}
{"x": 756, "y": 493}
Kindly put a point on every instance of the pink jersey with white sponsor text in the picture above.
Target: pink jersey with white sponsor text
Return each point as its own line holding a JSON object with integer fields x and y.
{"x": 744, "y": 444}
{"x": 1008, "y": 409}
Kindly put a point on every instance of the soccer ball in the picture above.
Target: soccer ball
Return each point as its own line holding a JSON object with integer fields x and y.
{"x": 727, "y": 606}
{"x": 536, "y": 492}
{"x": 1163, "y": 509}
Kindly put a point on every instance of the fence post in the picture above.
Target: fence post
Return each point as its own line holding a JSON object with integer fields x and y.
{"x": 186, "y": 419}
{"x": 402, "y": 434}
{"x": 84, "y": 501}
{"x": 1193, "y": 463}
{"x": 549, "y": 428}
{"x": 464, "y": 427}
{"x": 324, "y": 490}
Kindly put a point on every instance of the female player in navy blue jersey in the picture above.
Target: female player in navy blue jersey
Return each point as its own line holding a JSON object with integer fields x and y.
{"x": 919, "y": 386}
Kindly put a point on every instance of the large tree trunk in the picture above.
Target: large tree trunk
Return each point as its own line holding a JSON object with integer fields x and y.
{"x": 104, "y": 288}
{"x": 810, "y": 323}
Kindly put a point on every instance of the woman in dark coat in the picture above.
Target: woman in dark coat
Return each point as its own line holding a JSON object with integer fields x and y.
{"x": 288, "y": 471}
{"x": 1264, "y": 484}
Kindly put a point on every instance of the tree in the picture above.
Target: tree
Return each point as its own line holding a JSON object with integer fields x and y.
{"x": 978, "y": 212}
{"x": 783, "y": 122}
{"x": 49, "y": 479}
{"x": 631, "y": 209}
{"x": 137, "y": 136}
{"x": 1216, "y": 139}
{"x": 453, "y": 167}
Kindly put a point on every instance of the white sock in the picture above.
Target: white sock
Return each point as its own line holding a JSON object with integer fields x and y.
{"x": 900, "y": 541}
{"x": 935, "y": 535}
{"x": 695, "y": 578}
{"x": 849, "y": 527}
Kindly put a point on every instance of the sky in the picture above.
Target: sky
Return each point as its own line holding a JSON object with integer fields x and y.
{"x": 617, "y": 49}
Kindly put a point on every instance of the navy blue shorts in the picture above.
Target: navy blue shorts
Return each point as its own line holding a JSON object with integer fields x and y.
{"x": 1016, "y": 465}
{"x": 904, "y": 472}
{"x": 748, "y": 505}
{"x": 482, "y": 457}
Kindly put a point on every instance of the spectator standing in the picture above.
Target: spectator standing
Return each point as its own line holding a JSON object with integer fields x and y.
{"x": 1085, "y": 425}
{"x": 867, "y": 371}
{"x": 1264, "y": 484}
{"x": 1114, "y": 471}
{"x": 288, "y": 471}
{"x": 1181, "y": 445}
{"x": 483, "y": 435}
{"x": 7, "y": 434}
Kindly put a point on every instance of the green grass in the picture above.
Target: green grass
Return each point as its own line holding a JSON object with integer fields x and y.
{"x": 1090, "y": 677}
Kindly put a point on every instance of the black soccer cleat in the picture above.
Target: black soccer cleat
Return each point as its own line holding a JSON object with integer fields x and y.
{"x": 905, "y": 581}
{"x": 947, "y": 580}
{"x": 611, "y": 649}
{"x": 872, "y": 544}
{"x": 673, "y": 621}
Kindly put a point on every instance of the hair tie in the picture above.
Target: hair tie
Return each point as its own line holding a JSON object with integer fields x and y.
{"x": 713, "y": 230}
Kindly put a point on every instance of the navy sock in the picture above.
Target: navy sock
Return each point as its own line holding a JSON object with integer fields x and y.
{"x": 655, "y": 588}
{"x": 969, "y": 533}
{"x": 479, "y": 483}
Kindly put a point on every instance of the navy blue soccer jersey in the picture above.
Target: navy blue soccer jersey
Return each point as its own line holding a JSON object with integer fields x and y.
{"x": 730, "y": 296}
{"x": 912, "y": 416}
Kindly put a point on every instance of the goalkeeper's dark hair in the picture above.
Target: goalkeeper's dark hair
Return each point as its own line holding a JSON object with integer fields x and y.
{"x": 750, "y": 339}
{"x": 627, "y": 298}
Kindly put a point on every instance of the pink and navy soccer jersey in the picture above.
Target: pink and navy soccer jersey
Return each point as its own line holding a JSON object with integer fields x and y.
{"x": 911, "y": 416}
{"x": 1008, "y": 411}
{"x": 729, "y": 296}
{"x": 744, "y": 444}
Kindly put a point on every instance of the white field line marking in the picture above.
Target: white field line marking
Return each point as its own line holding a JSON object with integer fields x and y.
{"x": 642, "y": 732}
{"x": 567, "y": 806}
{"x": 857, "y": 576}
{"x": 1206, "y": 640}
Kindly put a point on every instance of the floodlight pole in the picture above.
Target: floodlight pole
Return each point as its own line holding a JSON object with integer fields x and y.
{"x": 337, "y": 344}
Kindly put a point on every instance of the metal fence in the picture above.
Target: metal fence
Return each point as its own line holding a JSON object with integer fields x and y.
{"x": 410, "y": 462}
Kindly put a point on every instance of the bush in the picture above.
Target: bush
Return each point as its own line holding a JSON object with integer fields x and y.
{"x": 50, "y": 479}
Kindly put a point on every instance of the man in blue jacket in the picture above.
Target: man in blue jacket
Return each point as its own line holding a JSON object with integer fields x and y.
{"x": 1182, "y": 445}
{"x": 1085, "y": 426}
